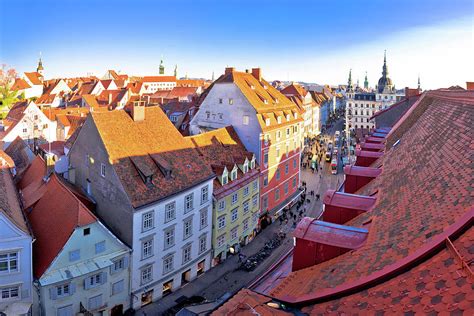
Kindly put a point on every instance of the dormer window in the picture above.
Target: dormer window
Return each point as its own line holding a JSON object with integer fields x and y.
{"x": 233, "y": 174}
{"x": 296, "y": 115}
{"x": 225, "y": 177}
{"x": 279, "y": 119}
{"x": 288, "y": 117}
{"x": 267, "y": 122}
{"x": 276, "y": 100}
{"x": 265, "y": 101}
{"x": 265, "y": 86}
{"x": 252, "y": 87}
{"x": 252, "y": 163}
{"x": 246, "y": 166}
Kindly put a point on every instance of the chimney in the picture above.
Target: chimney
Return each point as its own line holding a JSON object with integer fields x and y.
{"x": 138, "y": 111}
{"x": 257, "y": 73}
{"x": 229, "y": 70}
{"x": 110, "y": 98}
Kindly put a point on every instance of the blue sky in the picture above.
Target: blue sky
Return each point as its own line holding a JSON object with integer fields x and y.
{"x": 317, "y": 41}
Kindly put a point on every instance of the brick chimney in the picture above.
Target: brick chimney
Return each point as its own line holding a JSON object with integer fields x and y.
{"x": 110, "y": 98}
{"x": 257, "y": 73}
{"x": 229, "y": 70}
{"x": 138, "y": 111}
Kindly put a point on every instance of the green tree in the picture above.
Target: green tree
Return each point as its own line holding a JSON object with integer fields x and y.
{"x": 8, "y": 96}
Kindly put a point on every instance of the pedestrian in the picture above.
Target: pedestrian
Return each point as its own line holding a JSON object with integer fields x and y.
{"x": 294, "y": 217}
{"x": 317, "y": 197}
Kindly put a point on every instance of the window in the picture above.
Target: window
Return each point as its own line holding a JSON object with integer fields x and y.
{"x": 279, "y": 119}
{"x": 221, "y": 205}
{"x": 102, "y": 170}
{"x": 224, "y": 177}
{"x": 118, "y": 287}
{"x": 231, "y": 101}
{"x": 287, "y": 132}
{"x": 204, "y": 194}
{"x": 252, "y": 163}
{"x": 95, "y": 280}
{"x": 173, "y": 118}
{"x": 278, "y": 174}
{"x": 234, "y": 214}
{"x": 63, "y": 290}
{"x": 221, "y": 222}
{"x": 148, "y": 221}
{"x": 233, "y": 233}
{"x": 221, "y": 116}
{"x": 25, "y": 130}
{"x": 246, "y": 167}
{"x": 278, "y": 152}
{"x": 265, "y": 158}
{"x": 245, "y": 120}
{"x": 170, "y": 211}
{"x": 119, "y": 265}
{"x": 245, "y": 206}
{"x": 254, "y": 217}
{"x": 8, "y": 262}
{"x": 10, "y": 292}
{"x": 254, "y": 185}
{"x": 147, "y": 249}
{"x": 203, "y": 218}
{"x": 168, "y": 264}
{"x": 186, "y": 254}
{"x": 187, "y": 228}
{"x": 278, "y": 135}
{"x": 221, "y": 240}
{"x": 169, "y": 238}
{"x": 246, "y": 191}
{"x": 73, "y": 255}
{"x": 220, "y": 101}
{"x": 147, "y": 274}
{"x": 294, "y": 182}
{"x": 254, "y": 200}
{"x": 202, "y": 244}
{"x": 265, "y": 203}
{"x": 95, "y": 302}
{"x": 86, "y": 231}
{"x": 233, "y": 174}
{"x": 277, "y": 194}
{"x": 287, "y": 168}
{"x": 208, "y": 114}
{"x": 100, "y": 247}
{"x": 235, "y": 197}
{"x": 286, "y": 188}
{"x": 188, "y": 203}
{"x": 294, "y": 163}
{"x": 245, "y": 224}
{"x": 265, "y": 180}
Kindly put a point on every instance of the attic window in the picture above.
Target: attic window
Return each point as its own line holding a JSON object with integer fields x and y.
{"x": 163, "y": 165}
{"x": 296, "y": 115}
{"x": 252, "y": 87}
{"x": 252, "y": 163}
{"x": 233, "y": 175}
{"x": 288, "y": 117}
{"x": 267, "y": 122}
{"x": 246, "y": 166}
{"x": 265, "y": 86}
{"x": 145, "y": 172}
{"x": 225, "y": 177}
{"x": 279, "y": 119}
{"x": 265, "y": 101}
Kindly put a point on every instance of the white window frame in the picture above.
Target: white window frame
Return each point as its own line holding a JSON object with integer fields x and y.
{"x": 148, "y": 221}
{"x": 204, "y": 194}
{"x": 221, "y": 222}
{"x": 235, "y": 198}
{"x": 147, "y": 248}
{"x": 169, "y": 241}
{"x": 187, "y": 254}
{"x": 168, "y": 264}
{"x": 234, "y": 214}
{"x": 170, "y": 211}
{"x": 8, "y": 258}
{"x": 187, "y": 228}
{"x": 146, "y": 274}
{"x": 188, "y": 202}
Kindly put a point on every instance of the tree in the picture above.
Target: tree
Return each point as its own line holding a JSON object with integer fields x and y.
{"x": 7, "y": 95}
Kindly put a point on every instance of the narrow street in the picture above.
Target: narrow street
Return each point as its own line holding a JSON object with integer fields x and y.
{"x": 227, "y": 277}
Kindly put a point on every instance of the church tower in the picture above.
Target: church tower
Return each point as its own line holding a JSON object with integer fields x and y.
{"x": 366, "y": 82}
{"x": 40, "y": 68}
{"x": 176, "y": 71}
{"x": 162, "y": 67}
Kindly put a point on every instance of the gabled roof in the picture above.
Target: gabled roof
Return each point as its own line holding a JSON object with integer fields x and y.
{"x": 9, "y": 199}
{"x": 16, "y": 112}
{"x": 46, "y": 99}
{"x": 178, "y": 92}
{"x": 54, "y": 218}
{"x": 294, "y": 89}
{"x": 155, "y": 136}
{"x": 36, "y": 170}
{"x": 34, "y": 78}
{"x": 20, "y": 84}
{"x": 21, "y": 154}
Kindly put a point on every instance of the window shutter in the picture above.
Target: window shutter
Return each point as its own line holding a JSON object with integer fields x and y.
{"x": 125, "y": 262}
{"x": 53, "y": 293}
{"x": 103, "y": 278}
{"x": 87, "y": 284}
{"x": 72, "y": 288}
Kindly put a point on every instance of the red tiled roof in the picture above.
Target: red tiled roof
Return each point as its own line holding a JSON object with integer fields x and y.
{"x": 9, "y": 200}
{"x": 247, "y": 303}
{"x": 21, "y": 154}
{"x": 190, "y": 83}
{"x": 149, "y": 142}
{"x": 34, "y": 78}
{"x": 56, "y": 147}
{"x": 294, "y": 89}
{"x": 106, "y": 83}
{"x": 424, "y": 187}
{"x": 20, "y": 84}
{"x": 222, "y": 147}
{"x": 54, "y": 218}
{"x": 16, "y": 112}
{"x": 182, "y": 92}
{"x": 36, "y": 170}
{"x": 46, "y": 99}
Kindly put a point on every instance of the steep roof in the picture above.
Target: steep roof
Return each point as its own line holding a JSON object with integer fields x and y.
{"x": 9, "y": 199}
{"x": 20, "y": 84}
{"x": 294, "y": 89}
{"x": 21, "y": 154}
{"x": 34, "y": 78}
{"x": 54, "y": 218}
{"x": 182, "y": 92}
{"x": 46, "y": 99}
{"x": 222, "y": 147}
{"x": 412, "y": 213}
{"x": 149, "y": 147}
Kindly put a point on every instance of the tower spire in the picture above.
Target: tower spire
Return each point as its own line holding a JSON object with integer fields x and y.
{"x": 40, "y": 68}
{"x": 384, "y": 69}
{"x": 349, "y": 81}
{"x": 162, "y": 67}
{"x": 366, "y": 82}
{"x": 176, "y": 71}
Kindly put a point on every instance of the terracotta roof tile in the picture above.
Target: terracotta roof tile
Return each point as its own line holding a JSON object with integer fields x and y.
{"x": 159, "y": 79}
{"x": 54, "y": 218}
{"x": 410, "y": 210}
{"x": 21, "y": 154}
{"x": 155, "y": 135}
{"x": 34, "y": 78}
{"x": 20, "y": 84}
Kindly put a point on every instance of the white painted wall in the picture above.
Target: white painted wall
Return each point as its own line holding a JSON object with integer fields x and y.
{"x": 157, "y": 234}
{"x": 13, "y": 239}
